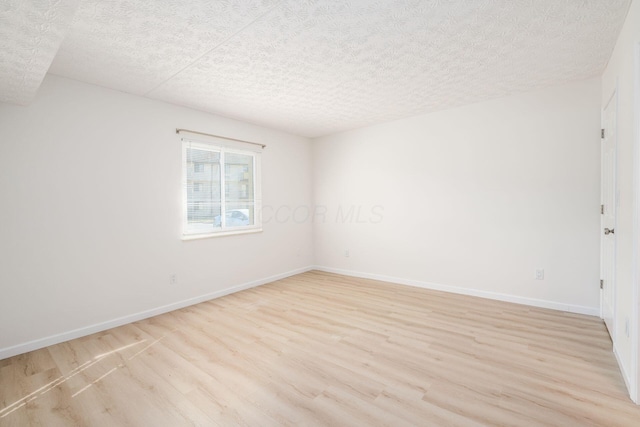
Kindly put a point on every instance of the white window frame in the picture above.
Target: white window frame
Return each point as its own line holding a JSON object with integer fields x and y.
{"x": 223, "y": 230}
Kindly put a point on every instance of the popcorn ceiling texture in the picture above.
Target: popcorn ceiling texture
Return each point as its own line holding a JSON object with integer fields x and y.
{"x": 30, "y": 33}
{"x": 315, "y": 67}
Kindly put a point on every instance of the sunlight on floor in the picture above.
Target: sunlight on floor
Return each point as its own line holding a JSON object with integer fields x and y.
{"x": 63, "y": 378}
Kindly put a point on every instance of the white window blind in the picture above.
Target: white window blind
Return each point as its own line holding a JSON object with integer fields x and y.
{"x": 221, "y": 189}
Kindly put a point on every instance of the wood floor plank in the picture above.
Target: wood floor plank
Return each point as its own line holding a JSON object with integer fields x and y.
{"x": 320, "y": 349}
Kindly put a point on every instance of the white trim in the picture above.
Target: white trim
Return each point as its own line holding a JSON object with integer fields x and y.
{"x": 613, "y": 98}
{"x": 221, "y": 234}
{"x": 98, "y": 327}
{"x": 591, "y": 311}
{"x": 634, "y": 332}
{"x": 625, "y": 376}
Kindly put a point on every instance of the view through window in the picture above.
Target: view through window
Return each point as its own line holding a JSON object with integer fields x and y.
{"x": 220, "y": 189}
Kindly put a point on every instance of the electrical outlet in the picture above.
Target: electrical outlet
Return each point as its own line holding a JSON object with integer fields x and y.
{"x": 173, "y": 279}
{"x": 346, "y": 253}
{"x": 540, "y": 274}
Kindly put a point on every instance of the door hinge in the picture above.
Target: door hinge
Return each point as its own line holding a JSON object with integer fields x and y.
{"x": 602, "y": 133}
{"x": 601, "y": 209}
{"x": 601, "y": 284}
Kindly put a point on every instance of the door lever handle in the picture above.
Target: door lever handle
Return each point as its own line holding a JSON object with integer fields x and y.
{"x": 607, "y": 231}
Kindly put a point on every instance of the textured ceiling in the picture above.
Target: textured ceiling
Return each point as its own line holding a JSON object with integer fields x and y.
{"x": 314, "y": 67}
{"x": 30, "y": 33}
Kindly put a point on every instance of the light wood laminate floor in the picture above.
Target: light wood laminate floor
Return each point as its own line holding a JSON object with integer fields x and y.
{"x": 324, "y": 349}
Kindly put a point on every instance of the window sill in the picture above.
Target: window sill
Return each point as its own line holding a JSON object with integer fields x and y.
{"x": 221, "y": 234}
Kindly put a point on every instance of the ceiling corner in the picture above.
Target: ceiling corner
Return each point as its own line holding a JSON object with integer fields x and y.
{"x": 31, "y": 32}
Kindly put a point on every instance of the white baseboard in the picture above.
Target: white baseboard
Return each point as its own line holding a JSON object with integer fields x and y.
{"x": 91, "y": 329}
{"x": 623, "y": 371}
{"x": 98, "y": 327}
{"x": 591, "y": 311}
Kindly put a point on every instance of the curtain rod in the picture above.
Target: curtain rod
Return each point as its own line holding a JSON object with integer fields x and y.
{"x": 220, "y": 136}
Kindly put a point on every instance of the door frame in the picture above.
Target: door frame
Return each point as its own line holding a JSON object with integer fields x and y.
{"x": 634, "y": 327}
{"x": 612, "y": 100}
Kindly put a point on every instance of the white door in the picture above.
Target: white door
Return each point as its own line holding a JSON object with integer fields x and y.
{"x": 608, "y": 214}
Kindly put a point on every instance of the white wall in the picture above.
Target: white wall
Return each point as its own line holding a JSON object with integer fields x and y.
{"x": 473, "y": 199}
{"x": 620, "y": 72}
{"x": 90, "y": 213}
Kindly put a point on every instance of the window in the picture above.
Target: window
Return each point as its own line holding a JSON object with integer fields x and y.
{"x": 220, "y": 190}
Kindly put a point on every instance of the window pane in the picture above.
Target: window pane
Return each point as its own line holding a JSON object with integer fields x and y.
{"x": 203, "y": 189}
{"x": 239, "y": 190}
{"x": 220, "y": 189}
